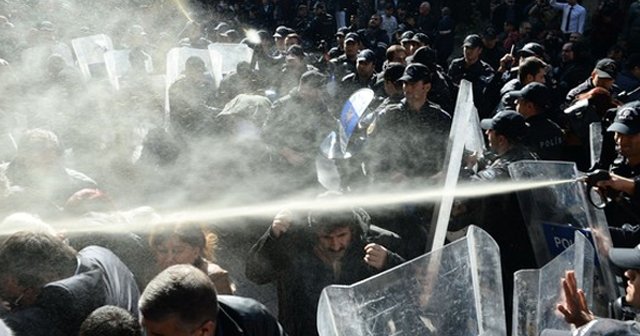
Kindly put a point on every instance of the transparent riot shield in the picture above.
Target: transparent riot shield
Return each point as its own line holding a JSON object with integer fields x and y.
{"x": 117, "y": 63}
{"x": 454, "y": 290}
{"x": 226, "y": 57}
{"x": 176, "y": 59}
{"x": 336, "y": 145}
{"x": 595, "y": 142}
{"x": 553, "y": 214}
{"x": 537, "y": 292}
{"x": 465, "y": 135}
{"x": 89, "y": 52}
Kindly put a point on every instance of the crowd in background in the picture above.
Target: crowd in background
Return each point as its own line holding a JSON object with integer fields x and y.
{"x": 79, "y": 150}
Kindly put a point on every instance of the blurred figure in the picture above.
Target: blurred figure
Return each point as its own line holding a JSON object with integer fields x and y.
{"x": 573, "y": 16}
{"x": 294, "y": 130}
{"x": 322, "y": 26}
{"x": 242, "y": 81}
{"x": 181, "y": 300}
{"x": 39, "y": 180}
{"x": 573, "y": 69}
{"x": 628, "y": 80}
{"x": 50, "y": 288}
{"x": 190, "y": 99}
{"x": 445, "y": 36}
{"x": 389, "y": 21}
{"x": 110, "y": 321}
{"x": 183, "y": 242}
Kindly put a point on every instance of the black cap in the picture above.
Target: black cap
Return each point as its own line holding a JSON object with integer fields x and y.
{"x": 295, "y": 51}
{"x": 366, "y": 55}
{"x": 415, "y": 72}
{"x": 421, "y": 38}
{"x": 313, "y": 78}
{"x": 534, "y": 92}
{"x": 625, "y": 258}
{"x": 406, "y": 36}
{"x": 283, "y": 31}
{"x": 342, "y": 31}
{"x": 490, "y": 33}
{"x": 472, "y": 41}
{"x": 532, "y": 49}
{"x": 319, "y": 4}
{"x": 393, "y": 72}
{"x": 627, "y": 120}
{"x": 423, "y": 55}
{"x": 606, "y": 68}
{"x": 508, "y": 123}
{"x": 352, "y": 37}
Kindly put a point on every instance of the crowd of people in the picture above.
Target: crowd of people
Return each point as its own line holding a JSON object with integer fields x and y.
{"x": 81, "y": 146}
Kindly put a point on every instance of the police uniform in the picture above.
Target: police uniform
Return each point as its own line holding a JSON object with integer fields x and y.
{"x": 410, "y": 142}
{"x": 606, "y": 68}
{"x": 545, "y": 138}
{"x": 480, "y": 74}
{"x": 624, "y": 208}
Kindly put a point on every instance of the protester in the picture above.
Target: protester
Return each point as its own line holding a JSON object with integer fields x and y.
{"x": 332, "y": 247}
{"x": 110, "y": 321}
{"x": 575, "y": 310}
{"x": 183, "y": 300}
{"x": 51, "y": 288}
{"x": 183, "y": 242}
{"x": 38, "y": 177}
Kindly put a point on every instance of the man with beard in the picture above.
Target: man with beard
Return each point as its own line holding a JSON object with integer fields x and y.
{"x": 332, "y": 247}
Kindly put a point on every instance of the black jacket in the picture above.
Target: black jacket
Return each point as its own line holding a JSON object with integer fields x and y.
{"x": 61, "y": 307}
{"x": 238, "y": 316}
{"x": 300, "y": 275}
{"x": 408, "y": 142}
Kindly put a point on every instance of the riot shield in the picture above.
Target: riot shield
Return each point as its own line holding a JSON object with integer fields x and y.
{"x": 117, "y": 64}
{"x": 226, "y": 56}
{"x": 336, "y": 145}
{"x": 595, "y": 142}
{"x": 535, "y": 296}
{"x": 461, "y": 295}
{"x": 176, "y": 59}
{"x": 552, "y": 215}
{"x": 465, "y": 135}
{"x": 89, "y": 52}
